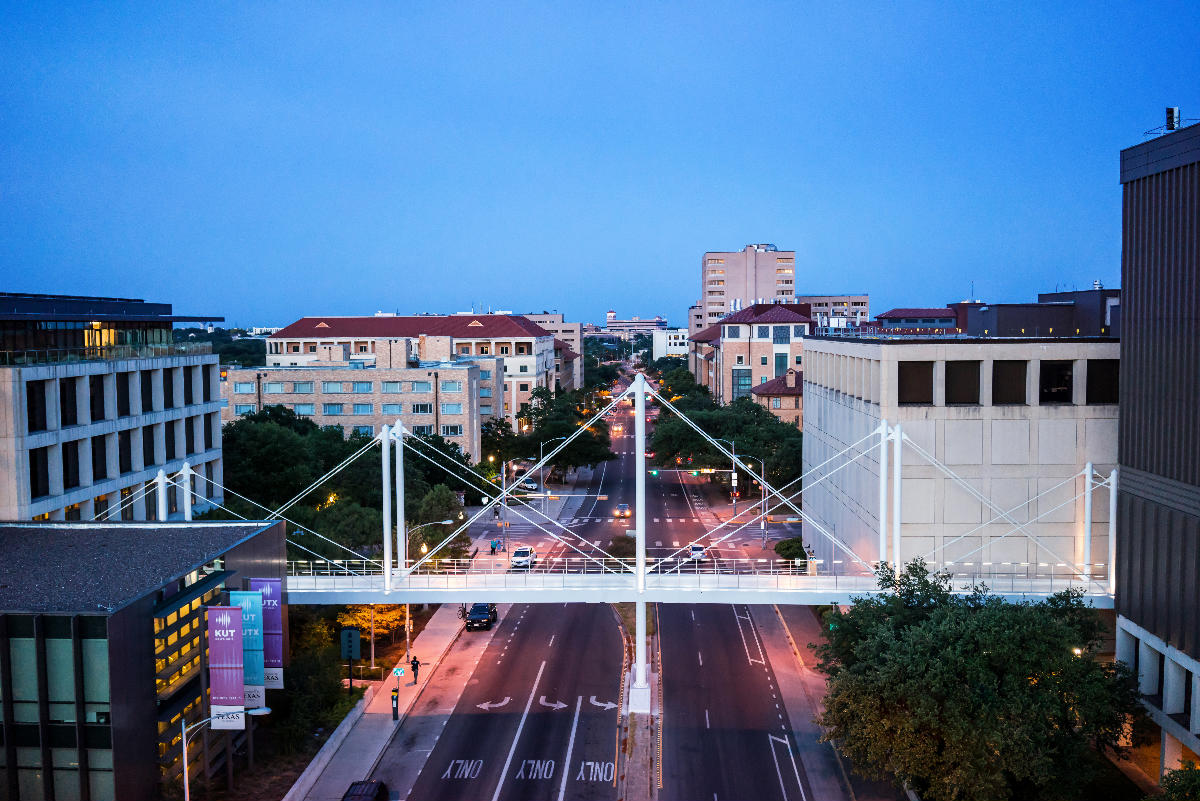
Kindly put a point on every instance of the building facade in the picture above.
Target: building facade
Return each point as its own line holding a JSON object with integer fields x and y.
{"x": 452, "y": 399}
{"x": 783, "y": 396}
{"x": 627, "y": 329}
{"x": 99, "y": 675}
{"x": 748, "y": 348}
{"x": 526, "y": 348}
{"x": 1013, "y": 420}
{"x": 570, "y": 334}
{"x": 95, "y": 400}
{"x": 836, "y": 311}
{"x": 669, "y": 342}
{"x": 1158, "y": 512}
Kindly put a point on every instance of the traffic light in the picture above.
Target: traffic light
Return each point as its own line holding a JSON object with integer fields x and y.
{"x": 695, "y": 472}
{"x": 654, "y": 472}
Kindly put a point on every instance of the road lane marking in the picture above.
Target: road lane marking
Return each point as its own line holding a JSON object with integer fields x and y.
{"x": 490, "y": 705}
{"x": 701, "y": 658}
{"x": 762, "y": 659}
{"x": 562, "y": 789}
{"x": 605, "y": 705}
{"x": 552, "y": 636}
{"x": 517, "y": 736}
{"x": 795, "y": 770}
{"x": 463, "y": 769}
{"x": 706, "y": 724}
{"x": 559, "y": 704}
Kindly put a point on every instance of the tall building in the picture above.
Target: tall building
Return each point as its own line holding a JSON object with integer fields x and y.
{"x": 103, "y": 650}
{"x": 1015, "y": 420}
{"x": 569, "y": 371}
{"x": 733, "y": 280}
{"x": 526, "y": 348}
{"x": 95, "y": 399}
{"x": 1158, "y": 512}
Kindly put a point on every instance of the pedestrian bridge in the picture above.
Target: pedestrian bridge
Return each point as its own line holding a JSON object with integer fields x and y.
{"x": 671, "y": 580}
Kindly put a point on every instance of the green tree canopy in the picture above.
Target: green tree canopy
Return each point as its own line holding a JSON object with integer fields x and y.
{"x": 971, "y": 697}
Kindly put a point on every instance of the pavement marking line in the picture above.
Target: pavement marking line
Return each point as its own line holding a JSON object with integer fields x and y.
{"x": 517, "y": 736}
{"x": 552, "y": 636}
{"x": 795, "y": 770}
{"x": 562, "y": 789}
{"x": 745, "y": 645}
{"x": 701, "y": 658}
{"x": 706, "y": 723}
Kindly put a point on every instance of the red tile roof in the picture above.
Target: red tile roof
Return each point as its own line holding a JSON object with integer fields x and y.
{"x": 769, "y": 313}
{"x": 568, "y": 355}
{"x": 943, "y": 312}
{"x": 778, "y": 386}
{"x": 709, "y": 334}
{"x": 463, "y": 326}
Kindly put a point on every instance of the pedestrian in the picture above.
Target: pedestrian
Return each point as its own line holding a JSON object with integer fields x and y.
{"x": 493, "y": 547}
{"x": 416, "y": 665}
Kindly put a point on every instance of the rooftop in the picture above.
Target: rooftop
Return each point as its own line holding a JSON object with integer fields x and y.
{"x": 86, "y": 308}
{"x": 100, "y": 567}
{"x": 915, "y": 312}
{"x": 484, "y": 326}
{"x": 779, "y": 386}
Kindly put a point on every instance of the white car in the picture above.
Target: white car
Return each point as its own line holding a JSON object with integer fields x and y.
{"x": 529, "y": 484}
{"x": 523, "y": 556}
{"x": 696, "y": 551}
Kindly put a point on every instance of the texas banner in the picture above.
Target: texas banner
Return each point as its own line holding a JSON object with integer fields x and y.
{"x": 225, "y": 670}
{"x": 272, "y": 626}
{"x": 252, "y": 645}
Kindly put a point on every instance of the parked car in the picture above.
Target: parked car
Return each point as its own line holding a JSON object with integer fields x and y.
{"x": 529, "y": 484}
{"x": 622, "y": 510}
{"x": 482, "y": 616}
{"x": 696, "y": 551}
{"x": 523, "y": 556}
{"x": 366, "y": 791}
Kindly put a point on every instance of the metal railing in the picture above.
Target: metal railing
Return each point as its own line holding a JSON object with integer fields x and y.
{"x": 101, "y": 354}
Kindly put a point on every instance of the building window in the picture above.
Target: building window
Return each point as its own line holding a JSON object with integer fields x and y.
{"x": 169, "y": 388}
{"x": 331, "y": 387}
{"x": 733, "y": 331}
{"x": 361, "y": 387}
{"x": 464, "y": 349}
{"x": 169, "y": 435}
{"x": 1055, "y": 382}
{"x": 99, "y": 458}
{"x": 522, "y": 350}
{"x": 422, "y": 408}
{"x": 364, "y": 408}
{"x": 1008, "y": 382}
{"x": 915, "y": 380}
{"x": 96, "y": 391}
{"x": 798, "y": 358}
{"x": 504, "y": 350}
{"x": 451, "y": 386}
{"x": 148, "y": 446}
{"x": 39, "y": 472}
{"x": 962, "y": 383}
{"x": 35, "y": 404}
{"x": 392, "y": 408}
{"x": 311, "y": 349}
{"x": 741, "y": 359}
{"x": 243, "y": 408}
{"x": 365, "y": 430}
{"x": 295, "y": 348}
{"x": 189, "y": 435}
{"x": 485, "y": 410}
{"x": 522, "y": 387}
{"x": 781, "y": 364}
{"x": 742, "y": 381}
{"x": 524, "y": 368}
{"x": 304, "y": 408}
{"x": 425, "y": 430}
{"x": 485, "y": 375}
{"x": 188, "y": 393}
{"x": 762, "y": 359}
{"x": 302, "y": 387}
{"x": 273, "y": 388}
{"x": 781, "y": 334}
{"x": 70, "y": 464}
{"x": 148, "y": 391}
{"x": 422, "y": 386}
{"x": 452, "y": 431}
{"x": 485, "y": 392}
{"x": 123, "y": 386}
{"x": 125, "y": 451}
{"x": 331, "y": 408}
{"x": 243, "y": 387}
{"x": 391, "y": 388}
{"x": 764, "y": 331}
{"x": 452, "y": 408}
{"x": 775, "y": 402}
{"x": 1103, "y": 380}
{"x": 797, "y": 331}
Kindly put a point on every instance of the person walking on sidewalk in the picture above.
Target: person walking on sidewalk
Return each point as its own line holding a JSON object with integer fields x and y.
{"x": 415, "y": 664}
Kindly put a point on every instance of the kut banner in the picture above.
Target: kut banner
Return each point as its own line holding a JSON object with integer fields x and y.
{"x": 227, "y": 697}
{"x": 272, "y": 604}
{"x": 252, "y": 645}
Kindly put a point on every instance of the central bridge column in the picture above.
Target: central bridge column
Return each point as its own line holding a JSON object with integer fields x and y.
{"x": 639, "y": 694}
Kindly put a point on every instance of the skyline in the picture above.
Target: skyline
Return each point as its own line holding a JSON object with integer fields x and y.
{"x": 571, "y": 159}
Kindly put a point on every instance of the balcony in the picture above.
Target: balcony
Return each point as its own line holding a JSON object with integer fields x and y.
{"x": 18, "y": 358}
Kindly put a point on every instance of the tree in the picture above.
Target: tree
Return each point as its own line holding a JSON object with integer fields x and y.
{"x": 792, "y": 548}
{"x": 972, "y": 697}
{"x": 265, "y": 461}
{"x": 440, "y": 503}
{"x": 1182, "y": 784}
{"x": 389, "y": 618}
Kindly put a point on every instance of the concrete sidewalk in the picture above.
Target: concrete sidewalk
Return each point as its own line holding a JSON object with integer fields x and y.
{"x": 370, "y": 734}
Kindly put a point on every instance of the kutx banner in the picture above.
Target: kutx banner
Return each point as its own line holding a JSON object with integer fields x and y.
{"x": 272, "y": 626}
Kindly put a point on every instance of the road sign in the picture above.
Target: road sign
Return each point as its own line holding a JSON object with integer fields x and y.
{"x": 351, "y": 644}
{"x": 398, "y": 672}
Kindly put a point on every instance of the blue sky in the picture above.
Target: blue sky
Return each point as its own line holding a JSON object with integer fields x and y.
{"x": 267, "y": 161}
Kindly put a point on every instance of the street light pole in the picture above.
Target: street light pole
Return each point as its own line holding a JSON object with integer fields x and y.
{"x": 542, "y": 472}
{"x": 733, "y": 472}
{"x": 183, "y": 731}
{"x": 407, "y": 616}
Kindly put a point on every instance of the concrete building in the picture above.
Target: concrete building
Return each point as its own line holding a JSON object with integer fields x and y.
{"x": 571, "y": 335}
{"x": 627, "y": 329}
{"x": 749, "y": 347}
{"x": 526, "y": 348}
{"x": 1158, "y": 512}
{"x": 95, "y": 399}
{"x": 669, "y": 342}
{"x": 1013, "y": 419}
{"x": 783, "y": 396}
{"x": 452, "y": 399}
{"x": 103, "y": 649}
{"x": 1090, "y": 313}
{"x": 939, "y": 319}
{"x": 836, "y": 311}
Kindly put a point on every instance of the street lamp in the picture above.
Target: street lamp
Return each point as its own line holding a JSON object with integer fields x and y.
{"x": 407, "y": 619}
{"x": 733, "y": 452}
{"x": 542, "y": 472}
{"x": 762, "y": 489}
{"x": 184, "y": 729}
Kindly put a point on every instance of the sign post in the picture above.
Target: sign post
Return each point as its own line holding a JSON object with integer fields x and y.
{"x": 351, "y": 650}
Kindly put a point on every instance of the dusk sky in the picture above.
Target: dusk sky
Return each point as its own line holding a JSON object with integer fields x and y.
{"x": 268, "y": 161}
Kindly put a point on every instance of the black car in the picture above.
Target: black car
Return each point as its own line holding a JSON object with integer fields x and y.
{"x": 482, "y": 616}
{"x": 366, "y": 791}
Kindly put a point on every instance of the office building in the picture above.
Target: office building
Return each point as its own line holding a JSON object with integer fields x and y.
{"x": 835, "y": 311}
{"x": 627, "y": 329}
{"x": 526, "y": 348}
{"x": 103, "y": 646}
{"x": 452, "y": 399}
{"x": 1090, "y": 313}
{"x": 1158, "y": 512}
{"x": 910, "y": 319}
{"x": 568, "y": 369}
{"x": 1012, "y": 419}
{"x": 669, "y": 342}
{"x": 95, "y": 399}
{"x": 748, "y": 348}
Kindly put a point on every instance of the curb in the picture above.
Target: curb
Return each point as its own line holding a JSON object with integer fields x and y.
{"x": 304, "y": 783}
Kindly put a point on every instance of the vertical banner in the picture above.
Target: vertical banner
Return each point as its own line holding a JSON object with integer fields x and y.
{"x": 252, "y": 645}
{"x": 272, "y": 626}
{"x": 225, "y": 673}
